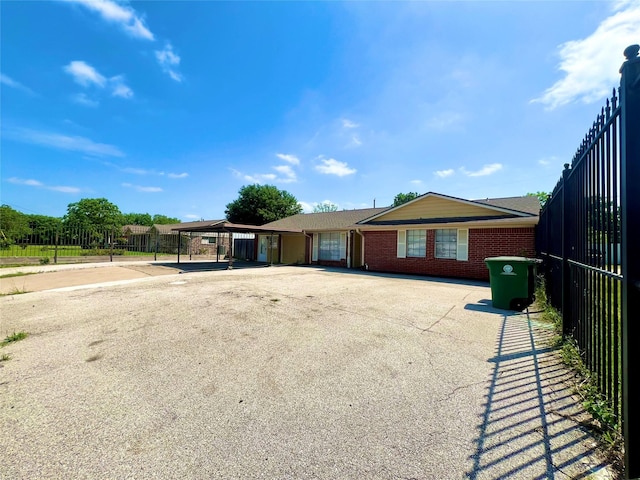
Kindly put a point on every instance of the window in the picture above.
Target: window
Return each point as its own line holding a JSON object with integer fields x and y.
{"x": 452, "y": 243}
{"x": 447, "y": 243}
{"x": 329, "y": 246}
{"x": 207, "y": 240}
{"x": 416, "y": 243}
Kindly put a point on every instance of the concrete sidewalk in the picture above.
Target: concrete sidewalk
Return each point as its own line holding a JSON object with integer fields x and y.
{"x": 36, "y": 278}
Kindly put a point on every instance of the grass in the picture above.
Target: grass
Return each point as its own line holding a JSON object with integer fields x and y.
{"x": 15, "y": 337}
{"x": 17, "y": 274}
{"x": 607, "y": 427}
{"x": 63, "y": 251}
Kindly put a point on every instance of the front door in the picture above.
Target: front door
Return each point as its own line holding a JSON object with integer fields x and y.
{"x": 263, "y": 247}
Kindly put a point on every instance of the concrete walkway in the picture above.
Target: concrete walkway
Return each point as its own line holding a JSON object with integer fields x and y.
{"x": 36, "y": 278}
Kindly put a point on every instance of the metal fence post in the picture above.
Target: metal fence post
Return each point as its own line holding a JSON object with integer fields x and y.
{"x": 55, "y": 246}
{"x": 111, "y": 240}
{"x": 565, "y": 277}
{"x": 630, "y": 210}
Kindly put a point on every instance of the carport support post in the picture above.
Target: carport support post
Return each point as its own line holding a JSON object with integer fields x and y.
{"x": 179, "y": 244}
{"x": 230, "y": 266}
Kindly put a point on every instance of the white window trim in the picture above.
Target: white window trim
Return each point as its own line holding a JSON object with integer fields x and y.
{"x": 402, "y": 244}
{"x": 462, "y": 253}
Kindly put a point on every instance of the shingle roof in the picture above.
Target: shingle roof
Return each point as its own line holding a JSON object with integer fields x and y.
{"x": 527, "y": 204}
{"x": 135, "y": 229}
{"x": 339, "y": 220}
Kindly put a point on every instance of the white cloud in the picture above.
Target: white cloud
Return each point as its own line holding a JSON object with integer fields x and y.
{"x": 260, "y": 178}
{"x": 36, "y": 183}
{"x": 416, "y": 182}
{"x": 178, "y": 175}
{"x": 123, "y": 15}
{"x": 118, "y": 87}
{"x": 591, "y": 64}
{"x": 549, "y": 161}
{"x": 140, "y": 188}
{"x": 292, "y": 159}
{"x": 29, "y": 182}
{"x": 445, "y": 121}
{"x": 169, "y": 61}
{"x": 10, "y": 82}
{"x": 331, "y": 166}
{"x": 306, "y": 207}
{"x": 288, "y": 175}
{"x": 139, "y": 171}
{"x": 445, "y": 173}
{"x": 355, "y": 141}
{"x": 484, "y": 171}
{"x": 285, "y": 173}
{"x": 65, "y": 142}
{"x": 84, "y": 74}
{"x": 346, "y": 123}
{"x": 84, "y": 99}
{"x": 87, "y": 76}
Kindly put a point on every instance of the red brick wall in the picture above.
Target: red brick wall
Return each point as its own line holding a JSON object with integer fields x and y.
{"x": 381, "y": 252}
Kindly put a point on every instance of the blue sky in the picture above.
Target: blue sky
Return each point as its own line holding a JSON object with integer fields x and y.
{"x": 170, "y": 107}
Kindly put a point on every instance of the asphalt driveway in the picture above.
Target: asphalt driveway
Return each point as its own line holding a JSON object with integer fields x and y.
{"x": 284, "y": 372}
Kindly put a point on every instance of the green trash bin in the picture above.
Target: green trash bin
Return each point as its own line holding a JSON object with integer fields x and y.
{"x": 513, "y": 281}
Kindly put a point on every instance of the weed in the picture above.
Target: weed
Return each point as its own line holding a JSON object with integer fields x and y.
{"x": 606, "y": 426}
{"x": 5, "y": 357}
{"x": 44, "y": 261}
{"x": 15, "y": 337}
{"x": 15, "y": 291}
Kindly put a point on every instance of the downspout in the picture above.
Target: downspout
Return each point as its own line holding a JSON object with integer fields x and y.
{"x": 349, "y": 232}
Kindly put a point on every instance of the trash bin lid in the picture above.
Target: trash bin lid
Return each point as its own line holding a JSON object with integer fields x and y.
{"x": 513, "y": 259}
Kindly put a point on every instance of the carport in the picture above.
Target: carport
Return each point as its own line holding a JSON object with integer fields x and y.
{"x": 222, "y": 226}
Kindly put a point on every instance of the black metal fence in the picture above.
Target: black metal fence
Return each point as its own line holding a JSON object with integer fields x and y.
{"x": 69, "y": 244}
{"x": 586, "y": 235}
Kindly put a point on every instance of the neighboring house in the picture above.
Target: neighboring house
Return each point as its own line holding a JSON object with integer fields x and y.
{"x": 163, "y": 239}
{"x": 433, "y": 234}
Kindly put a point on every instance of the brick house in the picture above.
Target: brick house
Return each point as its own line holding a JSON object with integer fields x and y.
{"x": 433, "y": 234}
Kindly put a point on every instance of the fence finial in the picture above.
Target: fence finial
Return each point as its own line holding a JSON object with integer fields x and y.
{"x": 631, "y": 51}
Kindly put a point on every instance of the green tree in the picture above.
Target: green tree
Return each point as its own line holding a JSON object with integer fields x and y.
{"x": 325, "y": 207}
{"x": 542, "y": 196}
{"x": 137, "y": 219}
{"x": 164, "y": 220}
{"x": 93, "y": 214}
{"x": 14, "y": 225}
{"x": 44, "y": 228}
{"x": 260, "y": 204}
{"x": 401, "y": 198}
